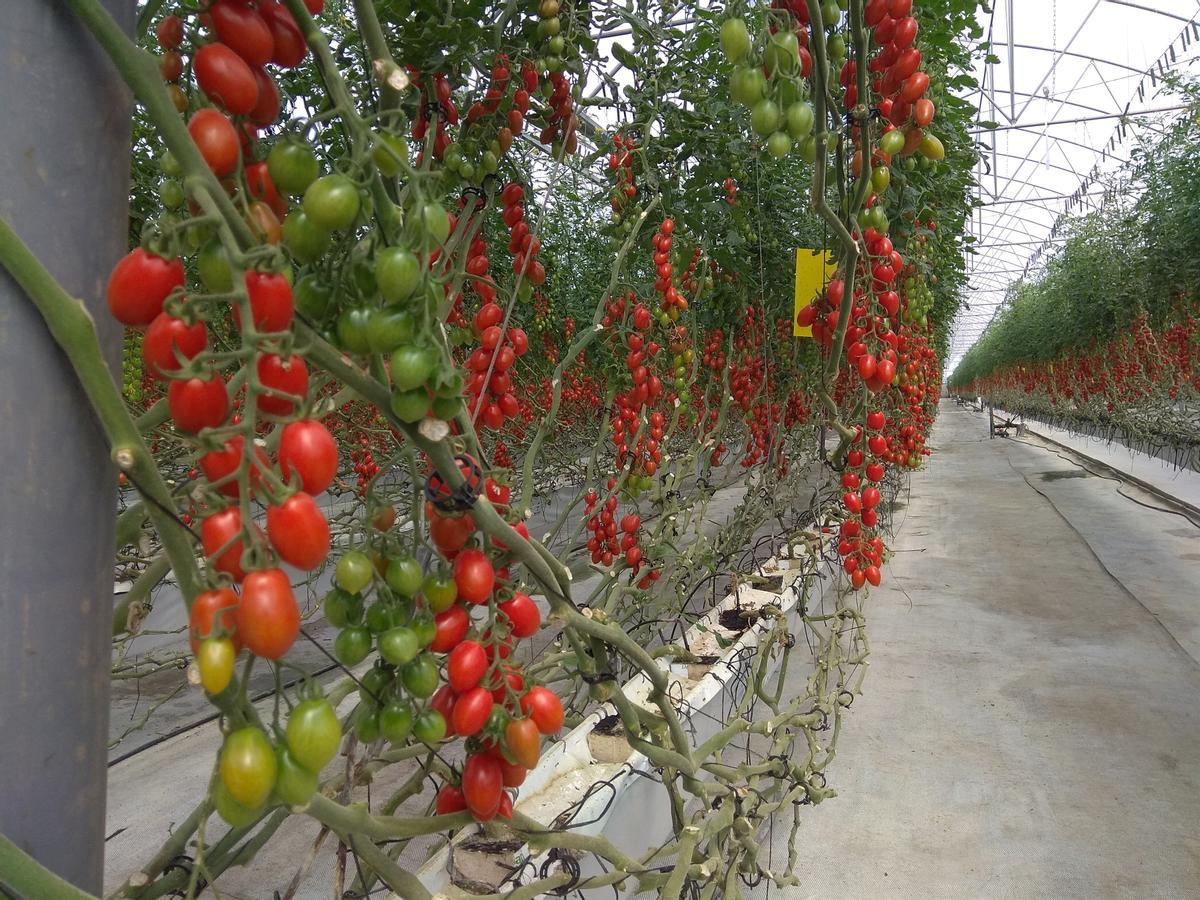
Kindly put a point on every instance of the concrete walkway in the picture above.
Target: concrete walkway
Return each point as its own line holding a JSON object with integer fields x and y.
{"x": 1031, "y": 723}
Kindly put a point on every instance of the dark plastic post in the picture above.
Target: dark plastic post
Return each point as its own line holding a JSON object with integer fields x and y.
{"x": 64, "y": 188}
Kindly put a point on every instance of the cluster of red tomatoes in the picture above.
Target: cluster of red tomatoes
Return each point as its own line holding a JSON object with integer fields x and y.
{"x": 730, "y": 191}
{"x": 486, "y": 699}
{"x": 673, "y": 303}
{"x": 862, "y": 550}
{"x": 490, "y": 384}
{"x": 523, "y": 246}
{"x": 611, "y": 538}
{"x": 561, "y": 123}
{"x": 620, "y": 162}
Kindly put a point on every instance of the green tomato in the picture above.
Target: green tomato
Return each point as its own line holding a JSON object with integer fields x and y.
{"x": 390, "y": 154}
{"x": 439, "y": 590}
{"x": 420, "y": 676}
{"x": 380, "y": 618}
{"x": 389, "y": 328}
{"x": 231, "y": 811}
{"x": 354, "y": 571}
{"x": 295, "y": 784}
{"x": 352, "y": 645}
{"x": 306, "y": 241}
{"x": 800, "y": 119}
{"x": 446, "y": 408}
{"x": 313, "y": 733}
{"x": 212, "y": 264}
{"x": 892, "y": 142}
{"x": 410, "y": 406}
{"x": 399, "y": 645}
{"x": 764, "y": 118}
{"x": 435, "y": 223}
{"x": 430, "y": 727}
{"x": 779, "y": 145}
{"x": 426, "y": 629}
{"x": 808, "y": 149}
{"x": 411, "y": 366}
{"x": 292, "y": 166}
{"x": 313, "y": 297}
{"x": 735, "y": 40}
{"x": 342, "y": 608}
{"x": 332, "y": 202}
{"x": 353, "y": 330}
{"x": 881, "y": 178}
{"x": 248, "y": 766}
{"x": 398, "y": 273}
{"x": 782, "y": 54}
{"x": 170, "y": 192}
{"x": 396, "y": 722}
{"x": 169, "y": 165}
{"x": 375, "y": 684}
{"x": 748, "y": 85}
{"x": 404, "y": 575}
{"x": 366, "y": 723}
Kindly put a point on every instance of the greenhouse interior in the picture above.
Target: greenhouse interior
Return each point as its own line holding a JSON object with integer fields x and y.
{"x": 600, "y": 448}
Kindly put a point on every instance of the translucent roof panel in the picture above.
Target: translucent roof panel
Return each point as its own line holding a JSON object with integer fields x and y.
{"x": 1069, "y": 87}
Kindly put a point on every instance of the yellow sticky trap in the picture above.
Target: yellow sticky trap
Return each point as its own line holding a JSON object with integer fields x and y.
{"x": 813, "y": 269}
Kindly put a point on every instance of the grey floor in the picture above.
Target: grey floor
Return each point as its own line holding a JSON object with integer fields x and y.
{"x": 1031, "y": 722}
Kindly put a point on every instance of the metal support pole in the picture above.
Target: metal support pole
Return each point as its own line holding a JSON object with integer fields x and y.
{"x": 64, "y": 187}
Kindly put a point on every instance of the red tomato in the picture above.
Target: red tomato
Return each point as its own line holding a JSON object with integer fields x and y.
{"x": 543, "y": 706}
{"x": 471, "y": 711}
{"x": 218, "y": 464}
{"x": 170, "y": 66}
{"x": 512, "y": 773}
{"x": 290, "y": 48}
{"x": 244, "y": 30}
{"x": 474, "y": 575}
{"x": 923, "y": 111}
{"x": 442, "y": 702}
{"x": 258, "y": 179}
{"x": 216, "y": 139}
{"x": 452, "y": 627}
{"x": 523, "y": 615}
{"x": 165, "y": 338}
{"x": 286, "y": 376}
{"x": 213, "y": 611}
{"x": 223, "y": 530}
{"x": 271, "y": 302}
{"x": 298, "y": 531}
{"x": 524, "y": 741}
{"x": 466, "y": 666}
{"x": 268, "y": 618}
{"x": 482, "y": 785}
{"x": 139, "y": 284}
{"x": 169, "y": 32}
{"x": 450, "y": 800}
{"x": 505, "y": 810}
{"x": 266, "y": 110}
{"x": 314, "y": 7}
{"x": 515, "y": 683}
{"x": 197, "y": 403}
{"x": 225, "y": 78}
{"x": 450, "y": 533}
{"x": 308, "y": 449}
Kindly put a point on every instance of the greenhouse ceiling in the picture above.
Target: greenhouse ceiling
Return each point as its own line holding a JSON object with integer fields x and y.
{"x": 1069, "y": 89}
